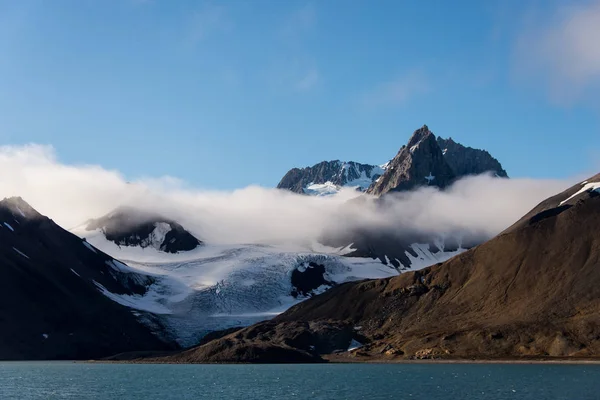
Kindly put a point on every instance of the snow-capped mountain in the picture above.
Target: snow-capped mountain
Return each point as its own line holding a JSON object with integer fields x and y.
{"x": 425, "y": 160}
{"x": 127, "y": 226}
{"x": 328, "y": 177}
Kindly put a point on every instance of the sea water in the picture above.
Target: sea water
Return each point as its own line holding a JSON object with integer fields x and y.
{"x": 67, "y": 380}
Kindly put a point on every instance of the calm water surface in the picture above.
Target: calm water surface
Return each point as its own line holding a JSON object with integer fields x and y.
{"x": 64, "y": 380}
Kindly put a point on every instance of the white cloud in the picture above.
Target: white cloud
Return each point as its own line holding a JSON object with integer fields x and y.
{"x": 71, "y": 194}
{"x": 397, "y": 91}
{"x": 562, "y": 50}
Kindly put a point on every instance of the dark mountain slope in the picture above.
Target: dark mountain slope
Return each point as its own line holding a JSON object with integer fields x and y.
{"x": 51, "y": 301}
{"x": 534, "y": 290}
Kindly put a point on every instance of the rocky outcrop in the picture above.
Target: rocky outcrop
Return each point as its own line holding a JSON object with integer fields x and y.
{"x": 54, "y": 290}
{"x": 419, "y": 163}
{"x": 469, "y": 161}
{"x": 127, "y": 226}
{"x": 309, "y": 278}
{"x": 532, "y": 291}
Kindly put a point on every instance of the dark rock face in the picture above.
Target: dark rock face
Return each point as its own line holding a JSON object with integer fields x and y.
{"x": 419, "y": 163}
{"x": 51, "y": 300}
{"x": 532, "y": 291}
{"x": 469, "y": 161}
{"x": 337, "y": 172}
{"x": 308, "y": 279}
{"x": 130, "y": 227}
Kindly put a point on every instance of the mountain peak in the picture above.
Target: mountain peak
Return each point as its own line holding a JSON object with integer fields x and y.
{"x": 419, "y": 163}
{"x": 19, "y": 208}
{"x": 127, "y": 226}
{"x": 419, "y": 135}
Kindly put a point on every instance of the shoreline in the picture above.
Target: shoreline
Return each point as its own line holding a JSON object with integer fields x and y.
{"x": 336, "y": 360}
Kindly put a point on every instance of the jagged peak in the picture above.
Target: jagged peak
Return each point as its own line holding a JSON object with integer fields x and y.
{"x": 419, "y": 135}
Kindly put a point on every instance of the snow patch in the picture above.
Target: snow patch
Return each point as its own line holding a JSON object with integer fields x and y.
{"x": 321, "y": 189}
{"x": 75, "y": 272}
{"x": 21, "y": 253}
{"x": 20, "y": 211}
{"x": 89, "y": 246}
{"x": 587, "y": 187}
{"x": 354, "y": 344}
{"x": 8, "y": 226}
{"x": 45, "y": 335}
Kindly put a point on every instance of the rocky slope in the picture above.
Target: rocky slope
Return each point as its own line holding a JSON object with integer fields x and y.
{"x": 328, "y": 176}
{"x": 532, "y": 291}
{"x": 127, "y": 226}
{"x": 469, "y": 161}
{"x": 54, "y": 293}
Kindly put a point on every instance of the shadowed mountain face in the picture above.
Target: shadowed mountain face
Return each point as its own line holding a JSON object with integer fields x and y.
{"x": 52, "y": 282}
{"x": 469, "y": 161}
{"x": 127, "y": 226}
{"x": 533, "y": 290}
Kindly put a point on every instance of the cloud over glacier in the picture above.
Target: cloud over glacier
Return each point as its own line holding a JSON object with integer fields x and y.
{"x": 72, "y": 194}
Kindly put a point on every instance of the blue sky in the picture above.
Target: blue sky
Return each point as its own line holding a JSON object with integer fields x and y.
{"x": 225, "y": 94}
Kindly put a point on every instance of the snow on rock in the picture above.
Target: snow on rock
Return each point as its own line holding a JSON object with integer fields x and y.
{"x": 75, "y": 272}
{"x": 9, "y": 226}
{"x": 45, "y": 335}
{"x": 587, "y": 187}
{"x": 21, "y": 253}
{"x": 157, "y": 237}
{"x": 20, "y": 211}
{"x": 89, "y": 246}
{"x": 426, "y": 257}
{"x": 354, "y": 344}
{"x": 322, "y": 189}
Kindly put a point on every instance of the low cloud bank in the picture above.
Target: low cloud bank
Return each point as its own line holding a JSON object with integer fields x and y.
{"x": 72, "y": 194}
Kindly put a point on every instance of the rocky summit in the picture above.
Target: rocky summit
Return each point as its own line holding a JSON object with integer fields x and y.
{"x": 419, "y": 163}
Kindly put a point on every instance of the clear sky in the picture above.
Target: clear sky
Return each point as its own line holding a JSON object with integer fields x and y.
{"x": 224, "y": 94}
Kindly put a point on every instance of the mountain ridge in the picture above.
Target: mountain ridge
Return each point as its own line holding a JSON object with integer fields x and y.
{"x": 456, "y": 161}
